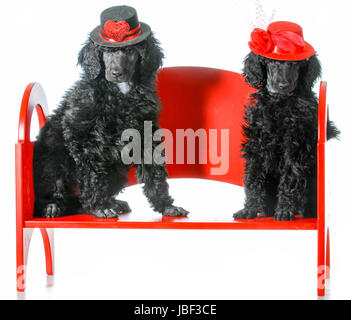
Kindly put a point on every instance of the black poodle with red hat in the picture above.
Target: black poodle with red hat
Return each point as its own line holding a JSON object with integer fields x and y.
{"x": 280, "y": 130}
{"x": 78, "y": 156}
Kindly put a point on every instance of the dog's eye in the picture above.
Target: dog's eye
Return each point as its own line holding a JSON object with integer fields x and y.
{"x": 128, "y": 50}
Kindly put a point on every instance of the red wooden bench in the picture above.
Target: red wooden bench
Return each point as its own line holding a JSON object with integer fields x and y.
{"x": 192, "y": 97}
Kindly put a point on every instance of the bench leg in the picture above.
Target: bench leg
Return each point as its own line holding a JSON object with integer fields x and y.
{"x": 48, "y": 240}
{"x": 23, "y": 237}
{"x": 323, "y": 262}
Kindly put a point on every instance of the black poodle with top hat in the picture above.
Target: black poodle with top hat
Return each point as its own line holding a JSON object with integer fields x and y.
{"x": 78, "y": 165}
{"x": 280, "y": 146}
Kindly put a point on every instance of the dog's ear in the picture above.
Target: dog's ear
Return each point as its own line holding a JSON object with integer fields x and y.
{"x": 89, "y": 60}
{"x": 151, "y": 56}
{"x": 310, "y": 72}
{"x": 254, "y": 70}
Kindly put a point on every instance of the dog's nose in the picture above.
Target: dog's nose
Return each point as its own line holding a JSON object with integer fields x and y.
{"x": 283, "y": 85}
{"x": 117, "y": 73}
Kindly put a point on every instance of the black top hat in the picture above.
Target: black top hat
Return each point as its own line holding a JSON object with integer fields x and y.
{"x": 119, "y": 27}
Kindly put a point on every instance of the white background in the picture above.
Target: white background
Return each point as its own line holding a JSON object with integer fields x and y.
{"x": 40, "y": 41}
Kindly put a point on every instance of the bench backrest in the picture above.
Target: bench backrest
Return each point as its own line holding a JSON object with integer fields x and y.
{"x": 206, "y": 99}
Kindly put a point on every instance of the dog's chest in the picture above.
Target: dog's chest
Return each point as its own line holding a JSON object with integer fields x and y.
{"x": 123, "y": 117}
{"x": 283, "y": 129}
{"x": 128, "y": 111}
{"x": 278, "y": 120}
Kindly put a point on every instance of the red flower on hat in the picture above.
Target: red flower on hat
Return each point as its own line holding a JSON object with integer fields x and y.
{"x": 264, "y": 41}
{"x": 287, "y": 40}
{"x": 261, "y": 41}
{"x": 116, "y": 30}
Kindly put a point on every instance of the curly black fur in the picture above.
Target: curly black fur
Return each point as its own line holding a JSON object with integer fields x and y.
{"x": 77, "y": 156}
{"x": 280, "y": 146}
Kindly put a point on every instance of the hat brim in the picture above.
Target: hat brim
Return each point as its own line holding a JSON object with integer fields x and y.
{"x": 308, "y": 52}
{"x": 95, "y": 37}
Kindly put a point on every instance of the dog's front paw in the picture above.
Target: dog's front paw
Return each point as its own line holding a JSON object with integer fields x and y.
{"x": 52, "y": 210}
{"x": 105, "y": 213}
{"x": 245, "y": 214}
{"x": 281, "y": 215}
{"x": 120, "y": 206}
{"x": 173, "y": 211}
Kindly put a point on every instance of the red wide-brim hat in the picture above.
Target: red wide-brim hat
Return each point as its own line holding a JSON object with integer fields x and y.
{"x": 119, "y": 27}
{"x": 283, "y": 40}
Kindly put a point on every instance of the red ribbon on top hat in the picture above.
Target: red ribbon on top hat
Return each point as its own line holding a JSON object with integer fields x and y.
{"x": 118, "y": 31}
{"x": 263, "y": 41}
